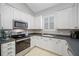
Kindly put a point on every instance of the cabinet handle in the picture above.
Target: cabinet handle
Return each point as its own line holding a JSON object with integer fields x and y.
{"x": 9, "y": 52}
{"x": 9, "y": 44}
{"x": 10, "y": 48}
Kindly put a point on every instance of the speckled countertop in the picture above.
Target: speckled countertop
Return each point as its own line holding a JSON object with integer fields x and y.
{"x": 6, "y": 41}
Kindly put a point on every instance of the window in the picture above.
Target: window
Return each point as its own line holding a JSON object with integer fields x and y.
{"x": 48, "y": 22}
{"x": 51, "y": 22}
{"x": 45, "y": 23}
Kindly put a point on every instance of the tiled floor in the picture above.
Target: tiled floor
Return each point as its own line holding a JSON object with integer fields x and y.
{"x": 39, "y": 52}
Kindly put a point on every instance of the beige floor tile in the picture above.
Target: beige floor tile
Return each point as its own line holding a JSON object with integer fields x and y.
{"x": 39, "y": 52}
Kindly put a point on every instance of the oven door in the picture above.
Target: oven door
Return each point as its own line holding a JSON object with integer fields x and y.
{"x": 22, "y": 45}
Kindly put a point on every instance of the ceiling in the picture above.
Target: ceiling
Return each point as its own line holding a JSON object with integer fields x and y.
{"x": 37, "y": 7}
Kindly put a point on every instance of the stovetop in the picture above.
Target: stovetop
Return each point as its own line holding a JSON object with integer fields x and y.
{"x": 21, "y": 36}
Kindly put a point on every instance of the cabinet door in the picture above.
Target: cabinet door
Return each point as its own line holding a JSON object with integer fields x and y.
{"x": 33, "y": 41}
{"x": 24, "y": 17}
{"x": 66, "y": 19}
{"x": 58, "y": 46}
{"x": 30, "y": 19}
{"x": 0, "y": 20}
{"x": 62, "y": 47}
{"x": 38, "y": 22}
{"x": 53, "y": 44}
{"x": 40, "y": 42}
{"x": 17, "y": 14}
{"x": 78, "y": 14}
{"x": 6, "y": 16}
{"x": 0, "y": 16}
{"x": 8, "y": 49}
{"x": 44, "y": 43}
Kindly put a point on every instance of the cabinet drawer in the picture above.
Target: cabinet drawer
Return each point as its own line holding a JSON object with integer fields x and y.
{"x": 8, "y": 52}
{"x": 3, "y": 54}
{"x": 11, "y": 43}
{"x": 8, "y": 48}
{"x": 5, "y": 45}
{"x": 5, "y": 48}
{"x": 11, "y": 48}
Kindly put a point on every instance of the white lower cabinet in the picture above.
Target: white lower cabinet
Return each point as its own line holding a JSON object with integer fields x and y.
{"x": 33, "y": 41}
{"x": 59, "y": 46}
{"x": 8, "y": 49}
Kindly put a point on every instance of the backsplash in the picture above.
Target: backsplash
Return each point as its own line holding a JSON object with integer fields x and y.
{"x": 59, "y": 32}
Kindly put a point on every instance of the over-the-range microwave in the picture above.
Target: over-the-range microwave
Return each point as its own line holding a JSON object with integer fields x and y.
{"x": 20, "y": 24}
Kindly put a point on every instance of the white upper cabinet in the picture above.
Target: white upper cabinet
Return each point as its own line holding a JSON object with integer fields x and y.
{"x": 6, "y": 16}
{"x": 78, "y": 14}
{"x": 66, "y": 19}
{"x": 0, "y": 16}
{"x": 30, "y": 19}
{"x": 17, "y": 14}
{"x": 37, "y": 22}
{"x": 25, "y": 17}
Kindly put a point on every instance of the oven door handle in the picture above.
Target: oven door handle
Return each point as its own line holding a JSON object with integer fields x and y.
{"x": 22, "y": 39}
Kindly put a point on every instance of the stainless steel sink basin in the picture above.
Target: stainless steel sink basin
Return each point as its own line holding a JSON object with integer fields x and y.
{"x": 48, "y": 35}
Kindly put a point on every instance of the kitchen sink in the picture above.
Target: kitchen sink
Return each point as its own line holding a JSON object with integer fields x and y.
{"x": 48, "y": 35}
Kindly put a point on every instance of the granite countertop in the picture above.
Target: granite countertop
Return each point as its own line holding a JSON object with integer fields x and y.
{"x": 6, "y": 40}
{"x": 73, "y": 43}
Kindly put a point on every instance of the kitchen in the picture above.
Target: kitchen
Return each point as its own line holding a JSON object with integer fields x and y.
{"x": 52, "y": 28}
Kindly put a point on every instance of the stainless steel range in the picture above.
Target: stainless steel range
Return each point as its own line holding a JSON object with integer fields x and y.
{"x": 22, "y": 41}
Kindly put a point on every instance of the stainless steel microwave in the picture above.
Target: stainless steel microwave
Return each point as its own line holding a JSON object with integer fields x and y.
{"x": 20, "y": 25}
